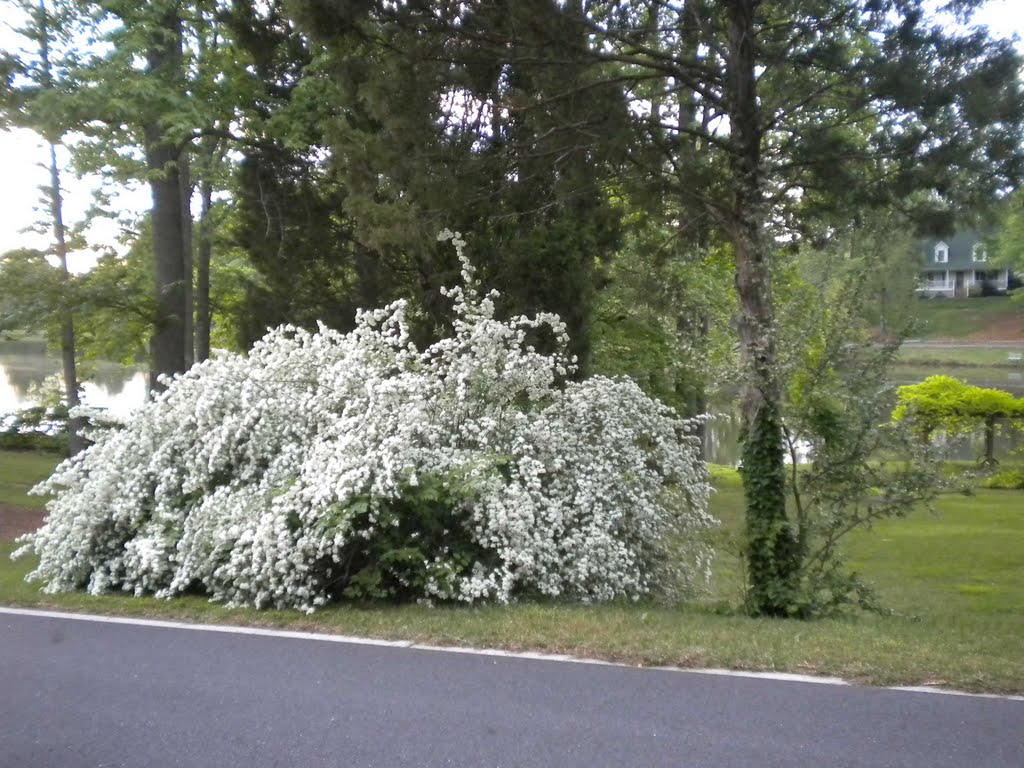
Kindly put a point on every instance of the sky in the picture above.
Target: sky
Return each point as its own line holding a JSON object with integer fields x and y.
{"x": 23, "y": 158}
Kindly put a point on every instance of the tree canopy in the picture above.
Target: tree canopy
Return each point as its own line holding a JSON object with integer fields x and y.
{"x": 946, "y": 403}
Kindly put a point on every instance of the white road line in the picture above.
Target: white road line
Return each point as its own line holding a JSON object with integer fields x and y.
{"x": 531, "y": 655}
{"x": 225, "y": 628}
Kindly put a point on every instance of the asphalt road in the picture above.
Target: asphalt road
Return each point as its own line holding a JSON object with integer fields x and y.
{"x": 77, "y": 693}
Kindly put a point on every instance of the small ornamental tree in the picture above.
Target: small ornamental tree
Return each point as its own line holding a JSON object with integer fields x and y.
{"x": 324, "y": 465}
{"x": 942, "y": 402}
{"x": 847, "y": 468}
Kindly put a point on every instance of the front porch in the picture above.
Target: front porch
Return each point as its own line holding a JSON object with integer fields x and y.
{"x": 962, "y": 283}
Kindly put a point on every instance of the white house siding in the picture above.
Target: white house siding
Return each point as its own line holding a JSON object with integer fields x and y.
{"x": 944, "y": 283}
{"x": 999, "y": 279}
{"x": 958, "y": 267}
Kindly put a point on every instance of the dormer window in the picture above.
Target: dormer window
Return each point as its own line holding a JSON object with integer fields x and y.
{"x": 941, "y": 253}
{"x": 979, "y": 253}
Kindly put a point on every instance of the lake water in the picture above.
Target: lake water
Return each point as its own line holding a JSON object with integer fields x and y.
{"x": 24, "y": 365}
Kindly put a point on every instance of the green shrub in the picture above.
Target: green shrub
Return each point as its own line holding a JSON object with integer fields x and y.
{"x": 1007, "y": 480}
{"x": 35, "y": 429}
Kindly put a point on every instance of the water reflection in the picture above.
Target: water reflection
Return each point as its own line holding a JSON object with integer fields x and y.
{"x": 25, "y": 365}
{"x": 722, "y": 443}
{"x": 112, "y": 380}
{"x": 722, "y": 439}
{"x": 122, "y": 397}
{"x": 22, "y": 366}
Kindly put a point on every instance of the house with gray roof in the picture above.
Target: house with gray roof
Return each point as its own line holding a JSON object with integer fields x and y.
{"x": 958, "y": 266}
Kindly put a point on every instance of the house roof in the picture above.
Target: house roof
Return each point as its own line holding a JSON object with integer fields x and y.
{"x": 961, "y": 251}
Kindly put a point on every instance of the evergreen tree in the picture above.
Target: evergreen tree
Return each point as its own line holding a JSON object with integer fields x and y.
{"x": 434, "y": 130}
{"x": 290, "y": 216}
{"x": 788, "y": 116}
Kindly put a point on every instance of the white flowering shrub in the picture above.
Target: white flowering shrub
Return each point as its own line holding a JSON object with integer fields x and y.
{"x": 326, "y": 465}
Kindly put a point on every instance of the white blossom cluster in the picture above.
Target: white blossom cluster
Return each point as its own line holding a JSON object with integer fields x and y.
{"x": 258, "y": 479}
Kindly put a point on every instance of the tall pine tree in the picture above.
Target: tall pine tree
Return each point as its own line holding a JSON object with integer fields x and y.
{"x": 769, "y": 120}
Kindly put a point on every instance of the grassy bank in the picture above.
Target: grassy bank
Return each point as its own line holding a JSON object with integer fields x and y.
{"x": 977, "y": 356}
{"x": 955, "y": 582}
{"x": 989, "y": 317}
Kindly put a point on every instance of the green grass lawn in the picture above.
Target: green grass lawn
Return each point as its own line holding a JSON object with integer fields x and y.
{"x": 954, "y": 581}
{"x": 973, "y": 571}
{"x": 986, "y": 357}
{"x": 19, "y": 471}
{"x": 958, "y": 318}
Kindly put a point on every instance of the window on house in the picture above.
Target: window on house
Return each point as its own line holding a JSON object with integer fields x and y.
{"x": 941, "y": 253}
{"x": 978, "y": 253}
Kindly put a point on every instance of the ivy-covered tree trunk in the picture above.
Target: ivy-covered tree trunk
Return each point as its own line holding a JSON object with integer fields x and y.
{"x": 771, "y": 551}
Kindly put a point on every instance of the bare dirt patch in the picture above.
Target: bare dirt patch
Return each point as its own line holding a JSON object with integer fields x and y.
{"x": 14, "y": 521}
{"x": 1005, "y": 328}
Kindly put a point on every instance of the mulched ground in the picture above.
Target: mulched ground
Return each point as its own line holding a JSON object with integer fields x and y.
{"x": 15, "y": 521}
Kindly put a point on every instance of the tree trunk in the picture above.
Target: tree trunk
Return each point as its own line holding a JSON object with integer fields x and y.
{"x": 367, "y": 265}
{"x": 689, "y": 51}
{"x": 210, "y": 151}
{"x": 168, "y": 341}
{"x": 203, "y": 255}
{"x": 185, "y": 191}
{"x": 771, "y": 550}
{"x": 67, "y": 321}
{"x": 990, "y": 442}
